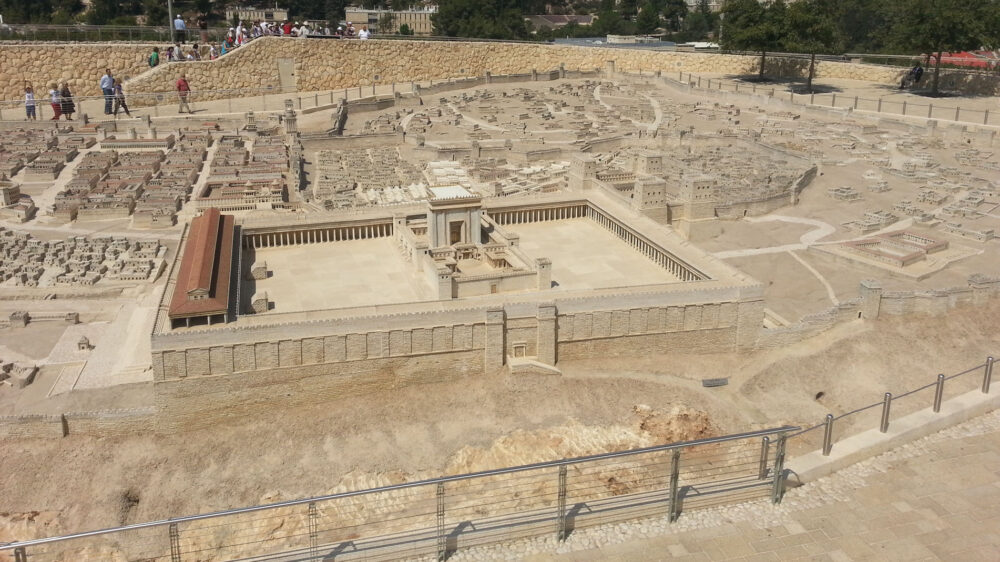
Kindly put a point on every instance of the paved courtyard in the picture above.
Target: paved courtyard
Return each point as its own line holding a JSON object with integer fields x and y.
{"x": 339, "y": 275}
{"x": 586, "y": 256}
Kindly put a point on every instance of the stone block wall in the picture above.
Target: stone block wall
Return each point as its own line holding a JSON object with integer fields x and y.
{"x": 331, "y": 65}
{"x": 81, "y": 64}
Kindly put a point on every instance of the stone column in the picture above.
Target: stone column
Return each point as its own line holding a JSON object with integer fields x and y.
{"x": 871, "y": 299}
{"x": 547, "y": 333}
{"x": 496, "y": 329}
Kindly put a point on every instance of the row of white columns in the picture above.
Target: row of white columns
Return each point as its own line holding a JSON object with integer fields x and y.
{"x": 315, "y": 236}
{"x": 525, "y": 216}
{"x": 655, "y": 254}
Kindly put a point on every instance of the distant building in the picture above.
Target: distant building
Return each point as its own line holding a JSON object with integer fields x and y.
{"x": 254, "y": 14}
{"x": 419, "y": 21}
{"x": 714, "y": 5}
{"x": 555, "y": 22}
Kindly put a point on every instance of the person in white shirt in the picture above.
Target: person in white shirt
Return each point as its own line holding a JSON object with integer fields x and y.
{"x": 304, "y": 30}
{"x": 364, "y": 33}
{"x": 180, "y": 27}
{"x": 29, "y": 101}
{"x": 107, "y": 85}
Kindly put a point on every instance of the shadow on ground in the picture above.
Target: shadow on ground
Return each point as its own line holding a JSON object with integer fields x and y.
{"x": 787, "y": 83}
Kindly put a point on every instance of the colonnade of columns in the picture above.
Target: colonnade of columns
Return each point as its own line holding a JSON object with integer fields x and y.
{"x": 524, "y": 216}
{"x": 316, "y": 235}
{"x": 655, "y": 254}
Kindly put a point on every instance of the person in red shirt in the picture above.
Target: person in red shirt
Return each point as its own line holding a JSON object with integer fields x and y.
{"x": 183, "y": 89}
{"x": 287, "y": 28}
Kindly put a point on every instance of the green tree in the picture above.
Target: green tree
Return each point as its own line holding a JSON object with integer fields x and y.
{"x": 674, "y": 12}
{"x": 810, "y": 29}
{"x": 648, "y": 19}
{"x": 492, "y": 19}
{"x": 156, "y": 12}
{"x": 700, "y": 23}
{"x": 386, "y": 23}
{"x": 939, "y": 26}
{"x": 628, "y": 8}
{"x": 405, "y": 30}
{"x": 749, "y": 26}
{"x": 101, "y": 12}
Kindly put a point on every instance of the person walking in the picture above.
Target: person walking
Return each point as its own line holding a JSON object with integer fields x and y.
{"x": 203, "y": 28}
{"x": 183, "y": 89}
{"x": 56, "y": 102}
{"x": 29, "y": 102}
{"x": 120, "y": 99}
{"x": 66, "y": 99}
{"x": 108, "y": 88}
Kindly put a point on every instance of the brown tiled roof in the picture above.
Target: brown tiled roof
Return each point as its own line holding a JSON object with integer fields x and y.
{"x": 206, "y": 265}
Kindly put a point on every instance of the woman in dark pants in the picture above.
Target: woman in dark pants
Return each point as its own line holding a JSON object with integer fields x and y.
{"x": 68, "y": 106}
{"x": 120, "y": 98}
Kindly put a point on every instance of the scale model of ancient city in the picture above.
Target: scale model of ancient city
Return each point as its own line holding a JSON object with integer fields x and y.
{"x": 522, "y": 229}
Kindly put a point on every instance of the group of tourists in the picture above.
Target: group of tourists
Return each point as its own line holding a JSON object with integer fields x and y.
{"x": 62, "y": 102}
{"x": 60, "y": 97}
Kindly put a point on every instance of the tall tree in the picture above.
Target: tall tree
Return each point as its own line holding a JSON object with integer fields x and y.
{"x": 747, "y": 27}
{"x": 648, "y": 19}
{"x": 810, "y": 29}
{"x": 939, "y": 26}
{"x": 674, "y": 12}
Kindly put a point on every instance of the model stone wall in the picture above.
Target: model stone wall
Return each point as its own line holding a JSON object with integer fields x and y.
{"x": 330, "y": 65}
{"x": 82, "y": 65}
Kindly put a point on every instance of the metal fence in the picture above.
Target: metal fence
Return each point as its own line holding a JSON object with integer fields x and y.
{"x": 929, "y": 110}
{"x": 436, "y": 517}
{"x": 82, "y": 33}
{"x": 880, "y": 414}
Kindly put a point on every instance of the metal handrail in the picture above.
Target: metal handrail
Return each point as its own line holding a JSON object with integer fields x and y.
{"x": 405, "y": 485}
{"x": 889, "y": 398}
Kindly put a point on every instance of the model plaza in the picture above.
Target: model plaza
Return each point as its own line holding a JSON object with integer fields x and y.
{"x": 546, "y": 250}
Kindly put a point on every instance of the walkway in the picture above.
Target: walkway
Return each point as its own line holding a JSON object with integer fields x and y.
{"x": 937, "y": 498}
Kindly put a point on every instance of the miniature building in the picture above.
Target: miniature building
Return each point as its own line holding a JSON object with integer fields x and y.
{"x": 84, "y": 344}
{"x": 202, "y": 290}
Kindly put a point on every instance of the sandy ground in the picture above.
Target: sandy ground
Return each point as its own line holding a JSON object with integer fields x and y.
{"x": 416, "y": 432}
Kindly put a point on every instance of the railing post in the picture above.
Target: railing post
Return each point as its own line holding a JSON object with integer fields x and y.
{"x": 986, "y": 117}
{"x": 828, "y": 436}
{"x": 675, "y": 471}
{"x": 833, "y": 101}
{"x": 20, "y": 555}
{"x": 762, "y": 468}
{"x": 442, "y": 539}
{"x": 855, "y": 102}
{"x": 938, "y": 392}
{"x": 930, "y": 110}
{"x": 904, "y": 107}
{"x": 879, "y": 109}
{"x": 313, "y": 531}
{"x": 175, "y": 543}
{"x": 561, "y": 515}
{"x": 778, "y": 491}
{"x": 987, "y": 375}
{"x": 958, "y": 111}
{"x": 886, "y": 404}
